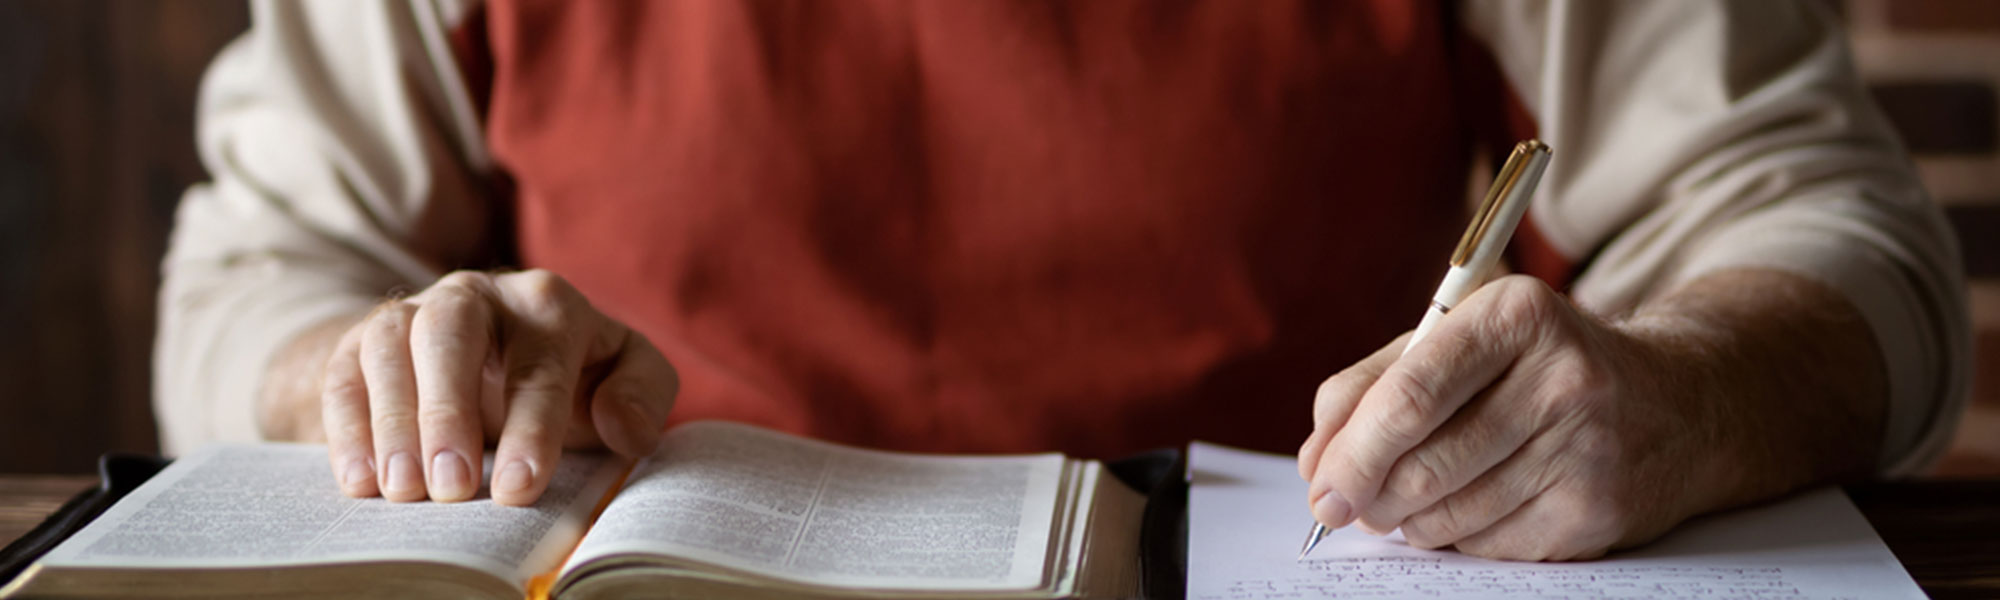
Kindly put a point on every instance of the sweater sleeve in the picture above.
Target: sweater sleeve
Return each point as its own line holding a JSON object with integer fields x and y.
{"x": 1697, "y": 136}
{"x": 346, "y": 162}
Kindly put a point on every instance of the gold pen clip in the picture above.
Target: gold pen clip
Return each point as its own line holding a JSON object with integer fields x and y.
{"x": 1503, "y": 185}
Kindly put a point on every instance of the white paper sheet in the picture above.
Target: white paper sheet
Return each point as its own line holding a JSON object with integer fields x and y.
{"x": 1247, "y": 516}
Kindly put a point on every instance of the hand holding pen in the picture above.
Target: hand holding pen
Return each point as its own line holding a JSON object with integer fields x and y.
{"x": 1476, "y": 258}
{"x": 1513, "y": 424}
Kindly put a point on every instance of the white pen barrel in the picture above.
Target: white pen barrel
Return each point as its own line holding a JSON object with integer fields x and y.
{"x": 1458, "y": 283}
{"x": 1431, "y": 318}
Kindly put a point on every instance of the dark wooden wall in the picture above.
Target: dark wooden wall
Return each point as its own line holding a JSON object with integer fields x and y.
{"x": 96, "y": 145}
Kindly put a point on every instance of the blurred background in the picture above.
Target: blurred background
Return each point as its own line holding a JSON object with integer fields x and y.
{"x": 96, "y": 145}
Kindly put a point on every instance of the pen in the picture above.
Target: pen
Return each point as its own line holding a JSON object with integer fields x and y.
{"x": 1478, "y": 252}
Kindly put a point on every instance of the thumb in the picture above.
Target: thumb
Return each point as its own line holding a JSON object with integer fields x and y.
{"x": 630, "y": 405}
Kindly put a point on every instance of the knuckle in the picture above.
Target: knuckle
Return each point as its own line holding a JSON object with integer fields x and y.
{"x": 387, "y": 322}
{"x": 1434, "y": 527}
{"x": 1590, "y": 519}
{"x": 1412, "y": 406}
{"x": 444, "y": 417}
{"x": 622, "y": 391}
{"x": 461, "y": 280}
{"x": 536, "y": 383}
{"x": 1357, "y": 471}
{"x": 1328, "y": 389}
{"x": 539, "y": 356}
{"x": 1577, "y": 384}
{"x": 1524, "y": 285}
{"x": 393, "y": 422}
{"x": 1334, "y": 392}
{"x": 1417, "y": 478}
{"x": 561, "y": 323}
{"x": 536, "y": 380}
{"x": 448, "y": 324}
{"x": 1527, "y": 302}
{"x": 1589, "y": 523}
{"x": 1525, "y": 545}
{"x": 334, "y": 390}
{"x": 542, "y": 291}
{"x": 1596, "y": 444}
{"x": 452, "y": 300}
{"x": 381, "y": 351}
{"x": 646, "y": 398}
{"x": 1497, "y": 547}
{"x": 440, "y": 318}
{"x": 1576, "y": 379}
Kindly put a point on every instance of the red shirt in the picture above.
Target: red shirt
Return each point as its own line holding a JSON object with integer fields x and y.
{"x": 1096, "y": 227}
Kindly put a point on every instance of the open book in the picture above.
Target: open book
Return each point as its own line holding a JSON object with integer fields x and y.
{"x": 720, "y": 510}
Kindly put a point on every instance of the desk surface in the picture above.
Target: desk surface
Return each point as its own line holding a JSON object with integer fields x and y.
{"x": 1947, "y": 533}
{"x": 26, "y": 499}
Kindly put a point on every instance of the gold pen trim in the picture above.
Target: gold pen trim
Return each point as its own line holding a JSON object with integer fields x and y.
{"x": 1503, "y": 184}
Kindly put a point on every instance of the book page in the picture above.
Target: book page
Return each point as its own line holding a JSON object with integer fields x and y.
{"x": 1247, "y": 516}
{"x": 258, "y": 505}
{"x": 791, "y": 508}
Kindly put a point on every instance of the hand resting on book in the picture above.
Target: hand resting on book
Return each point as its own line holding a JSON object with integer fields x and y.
{"x": 413, "y": 392}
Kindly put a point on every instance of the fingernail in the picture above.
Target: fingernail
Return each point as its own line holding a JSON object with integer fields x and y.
{"x": 642, "y": 426}
{"x": 451, "y": 477}
{"x": 1331, "y": 509}
{"x": 356, "y": 473}
{"x": 515, "y": 478}
{"x": 404, "y": 476}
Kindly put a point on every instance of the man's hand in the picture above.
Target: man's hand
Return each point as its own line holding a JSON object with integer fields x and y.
{"x": 412, "y": 393}
{"x": 1522, "y": 428}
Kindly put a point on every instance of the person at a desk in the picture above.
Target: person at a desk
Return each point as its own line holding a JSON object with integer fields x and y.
{"x": 1098, "y": 227}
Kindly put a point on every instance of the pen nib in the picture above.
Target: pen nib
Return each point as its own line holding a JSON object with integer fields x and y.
{"x": 1312, "y": 540}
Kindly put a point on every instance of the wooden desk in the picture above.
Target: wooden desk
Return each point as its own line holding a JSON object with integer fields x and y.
{"x": 1947, "y": 533}
{"x": 26, "y": 499}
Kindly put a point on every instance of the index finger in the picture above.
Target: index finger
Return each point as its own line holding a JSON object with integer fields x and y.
{"x": 1334, "y": 402}
{"x": 543, "y": 352}
{"x": 1415, "y": 395}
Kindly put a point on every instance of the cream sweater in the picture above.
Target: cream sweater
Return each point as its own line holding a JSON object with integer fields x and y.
{"x": 1694, "y": 136}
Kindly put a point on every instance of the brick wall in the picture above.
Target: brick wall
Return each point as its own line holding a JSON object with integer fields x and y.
{"x": 1934, "y": 66}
